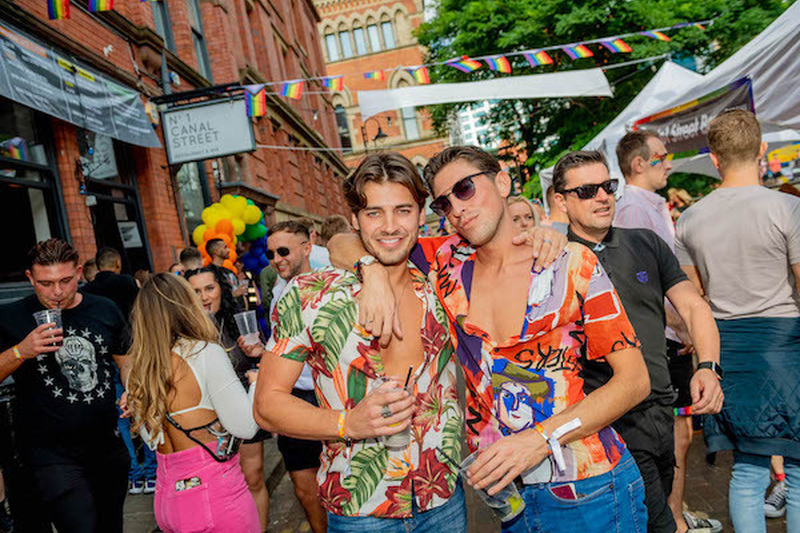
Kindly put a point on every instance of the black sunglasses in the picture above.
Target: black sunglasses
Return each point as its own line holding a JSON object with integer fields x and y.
{"x": 587, "y": 192}
{"x": 283, "y": 251}
{"x": 464, "y": 189}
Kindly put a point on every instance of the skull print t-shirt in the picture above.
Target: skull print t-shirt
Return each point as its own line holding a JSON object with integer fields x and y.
{"x": 66, "y": 397}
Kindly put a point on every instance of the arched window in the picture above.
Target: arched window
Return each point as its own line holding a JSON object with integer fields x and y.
{"x": 361, "y": 41}
{"x": 409, "y": 118}
{"x": 388, "y": 34}
{"x": 343, "y": 127}
{"x": 346, "y": 43}
{"x": 373, "y": 34}
{"x": 332, "y": 47}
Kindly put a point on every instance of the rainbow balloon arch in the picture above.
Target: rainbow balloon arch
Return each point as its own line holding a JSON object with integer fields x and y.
{"x": 233, "y": 219}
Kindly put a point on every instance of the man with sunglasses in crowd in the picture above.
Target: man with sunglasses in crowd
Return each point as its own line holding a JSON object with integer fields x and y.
{"x": 289, "y": 250}
{"x": 523, "y": 336}
{"x": 644, "y": 271}
{"x": 646, "y": 164}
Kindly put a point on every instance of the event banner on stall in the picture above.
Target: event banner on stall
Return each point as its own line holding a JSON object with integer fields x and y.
{"x": 683, "y": 128}
{"x": 46, "y": 80}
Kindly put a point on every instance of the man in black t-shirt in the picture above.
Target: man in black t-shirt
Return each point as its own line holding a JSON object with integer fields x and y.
{"x": 111, "y": 284}
{"x": 66, "y": 416}
{"x": 644, "y": 271}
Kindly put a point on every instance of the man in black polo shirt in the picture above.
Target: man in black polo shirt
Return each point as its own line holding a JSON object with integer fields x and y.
{"x": 643, "y": 271}
{"x": 111, "y": 284}
{"x": 66, "y": 417}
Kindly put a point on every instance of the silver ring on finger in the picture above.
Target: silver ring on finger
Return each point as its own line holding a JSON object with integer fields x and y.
{"x": 386, "y": 411}
{"x": 548, "y": 241}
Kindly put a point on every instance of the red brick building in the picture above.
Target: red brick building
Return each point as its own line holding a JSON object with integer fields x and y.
{"x": 100, "y": 190}
{"x": 368, "y": 35}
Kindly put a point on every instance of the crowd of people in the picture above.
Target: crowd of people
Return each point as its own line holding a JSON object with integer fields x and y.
{"x": 588, "y": 337}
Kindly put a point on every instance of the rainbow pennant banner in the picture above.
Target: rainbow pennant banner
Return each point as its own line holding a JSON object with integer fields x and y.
{"x": 465, "y": 64}
{"x": 292, "y": 89}
{"x": 420, "y": 74}
{"x": 58, "y": 9}
{"x": 617, "y": 46}
{"x": 577, "y": 52}
{"x": 698, "y": 25}
{"x": 334, "y": 83}
{"x": 539, "y": 57}
{"x": 100, "y": 5}
{"x": 656, "y": 35}
{"x": 255, "y": 100}
{"x": 499, "y": 64}
{"x": 375, "y": 75}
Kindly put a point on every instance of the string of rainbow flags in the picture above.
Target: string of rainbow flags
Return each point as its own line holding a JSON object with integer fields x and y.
{"x": 256, "y": 95}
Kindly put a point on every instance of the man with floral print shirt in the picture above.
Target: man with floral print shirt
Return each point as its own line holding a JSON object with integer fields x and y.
{"x": 523, "y": 338}
{"x": 364, "y": 485}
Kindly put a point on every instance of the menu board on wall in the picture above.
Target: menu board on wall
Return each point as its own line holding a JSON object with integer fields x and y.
{"x": 52, "y": 82}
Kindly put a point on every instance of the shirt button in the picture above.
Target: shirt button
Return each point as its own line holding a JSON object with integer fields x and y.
{"x": 495, "y": 350}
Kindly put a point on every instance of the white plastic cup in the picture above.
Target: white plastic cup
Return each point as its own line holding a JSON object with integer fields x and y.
{"x": 248, "y": 326}
{"x": 506, "y": 504}
{"x": 48, "y": 316}
{"x": 397, "y": 441}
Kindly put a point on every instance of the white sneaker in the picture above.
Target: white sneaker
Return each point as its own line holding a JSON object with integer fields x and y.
{"x": 775, "y": 504}
{"x": 136, "y": 487}
{"x": 701, "y": 525}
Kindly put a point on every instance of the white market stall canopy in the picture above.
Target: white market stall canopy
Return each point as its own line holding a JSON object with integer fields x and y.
{"x": 574, "y": 83}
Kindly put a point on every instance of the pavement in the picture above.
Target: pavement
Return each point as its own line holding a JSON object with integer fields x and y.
{"x": 706, "y": 493}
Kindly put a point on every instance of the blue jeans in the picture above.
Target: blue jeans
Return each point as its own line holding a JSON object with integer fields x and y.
{"x": 611, "y": 502}
{"x": 136, "y": 471}
{"x": 749, "y": 482}
{"x": 450, "y": 517}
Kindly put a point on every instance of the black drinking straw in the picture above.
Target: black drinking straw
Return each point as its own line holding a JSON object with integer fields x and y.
{"x": 408, "y": 376}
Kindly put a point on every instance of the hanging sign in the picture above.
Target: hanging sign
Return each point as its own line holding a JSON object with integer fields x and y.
{"x": 207, "y": 130}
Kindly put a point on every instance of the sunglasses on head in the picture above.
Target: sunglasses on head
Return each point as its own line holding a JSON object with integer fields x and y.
{"x": 464, "y": 189}
{"x": 661, "y": 158}
{"x": 589, "y": 191}
{"x": 283, "y": 251}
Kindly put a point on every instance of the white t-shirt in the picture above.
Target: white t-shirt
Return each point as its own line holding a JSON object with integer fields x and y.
{"x": 743, "y": 241}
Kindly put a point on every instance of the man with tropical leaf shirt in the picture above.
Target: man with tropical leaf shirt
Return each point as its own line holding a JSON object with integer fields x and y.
{"x": 365, "y": 485}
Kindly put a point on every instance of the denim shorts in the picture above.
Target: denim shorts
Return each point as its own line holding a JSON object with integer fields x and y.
{"x": 450, "y": 517}
{"x": 609, "y": 503}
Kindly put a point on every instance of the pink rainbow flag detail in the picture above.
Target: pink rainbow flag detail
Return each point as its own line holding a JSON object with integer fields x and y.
{"x": 58, "y": 9}
{"x": 96, "y": 6}
{"x": 420, "y": 74}
{"x": 656, "y": 35}
{"x": 334, "y": 83}
{"x": 538, "y": 58}
{"x": 577, "y": 52}
{"x": 698, "y": 25}
{"x": 499, "y": 64}
{"x": 292, "y": 89}
{"x": 465, "y": 64}
{"x": 375, "y": 75}
{"x": 255, "y": 100}
{"x": 617, "y": 46}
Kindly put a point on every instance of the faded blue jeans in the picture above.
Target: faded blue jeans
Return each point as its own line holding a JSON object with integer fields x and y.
{"x": 450, "y": 517}
{"x": 749, "y": 482}
{"x": 609, "y": 503}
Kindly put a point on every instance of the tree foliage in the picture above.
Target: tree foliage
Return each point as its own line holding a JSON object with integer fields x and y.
{"x": 547, "y": 128}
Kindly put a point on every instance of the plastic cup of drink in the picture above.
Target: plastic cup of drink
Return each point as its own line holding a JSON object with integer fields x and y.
{"x": 248, "y": 326}
{"x": 399, "y": 440}
{"x": 48, "y": 316}
{"x": 506, "y": 504}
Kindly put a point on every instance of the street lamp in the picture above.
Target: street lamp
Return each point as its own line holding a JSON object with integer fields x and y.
{"x": 380, "y": 135}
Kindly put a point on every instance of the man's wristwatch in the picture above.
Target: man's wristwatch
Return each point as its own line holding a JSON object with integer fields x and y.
{"x": 711, "y": 365}
{"x": 364, "y": 260}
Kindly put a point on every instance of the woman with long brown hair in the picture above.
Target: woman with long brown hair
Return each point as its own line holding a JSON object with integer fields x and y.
{"x": 189, "y": 404}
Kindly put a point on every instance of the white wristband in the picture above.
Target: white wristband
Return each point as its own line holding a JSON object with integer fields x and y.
{"x": 555, "y": 446}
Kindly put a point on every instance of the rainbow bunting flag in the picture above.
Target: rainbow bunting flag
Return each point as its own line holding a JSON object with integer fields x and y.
{"x": 698, "y": 25}
{"x": 655, "y": 35}
{"x": 100, "y": 5}
{"x": 292, "y": 89}
{"x": 420, "y": 74}
{"x": 58, "y": 9}
{"x": 465, "y": 64}
{"x": 577, "y": 52}
{"x": 617, "y": 46}
{"x": 334, "y": 83}
{"x": 375, "y": 75}
{"x": 538, "y": 58}
{"x": 499, "y": 64}
{"x": 255, "y": 100}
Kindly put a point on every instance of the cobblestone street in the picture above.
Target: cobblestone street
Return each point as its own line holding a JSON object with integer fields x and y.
{"x": 706, "y": 493}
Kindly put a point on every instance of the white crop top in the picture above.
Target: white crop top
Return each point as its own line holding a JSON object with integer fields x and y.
{"x": 220, "y": 390}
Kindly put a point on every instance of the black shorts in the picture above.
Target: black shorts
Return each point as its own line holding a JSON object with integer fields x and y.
{"x": 300, "y": 454}
{"x": 681, "y": 370}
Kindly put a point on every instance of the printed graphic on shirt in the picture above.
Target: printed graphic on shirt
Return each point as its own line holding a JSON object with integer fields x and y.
{"x": 77, "y": 362}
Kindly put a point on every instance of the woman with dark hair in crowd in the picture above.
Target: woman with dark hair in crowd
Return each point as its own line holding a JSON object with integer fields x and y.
{"x": 215, "y": 294}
